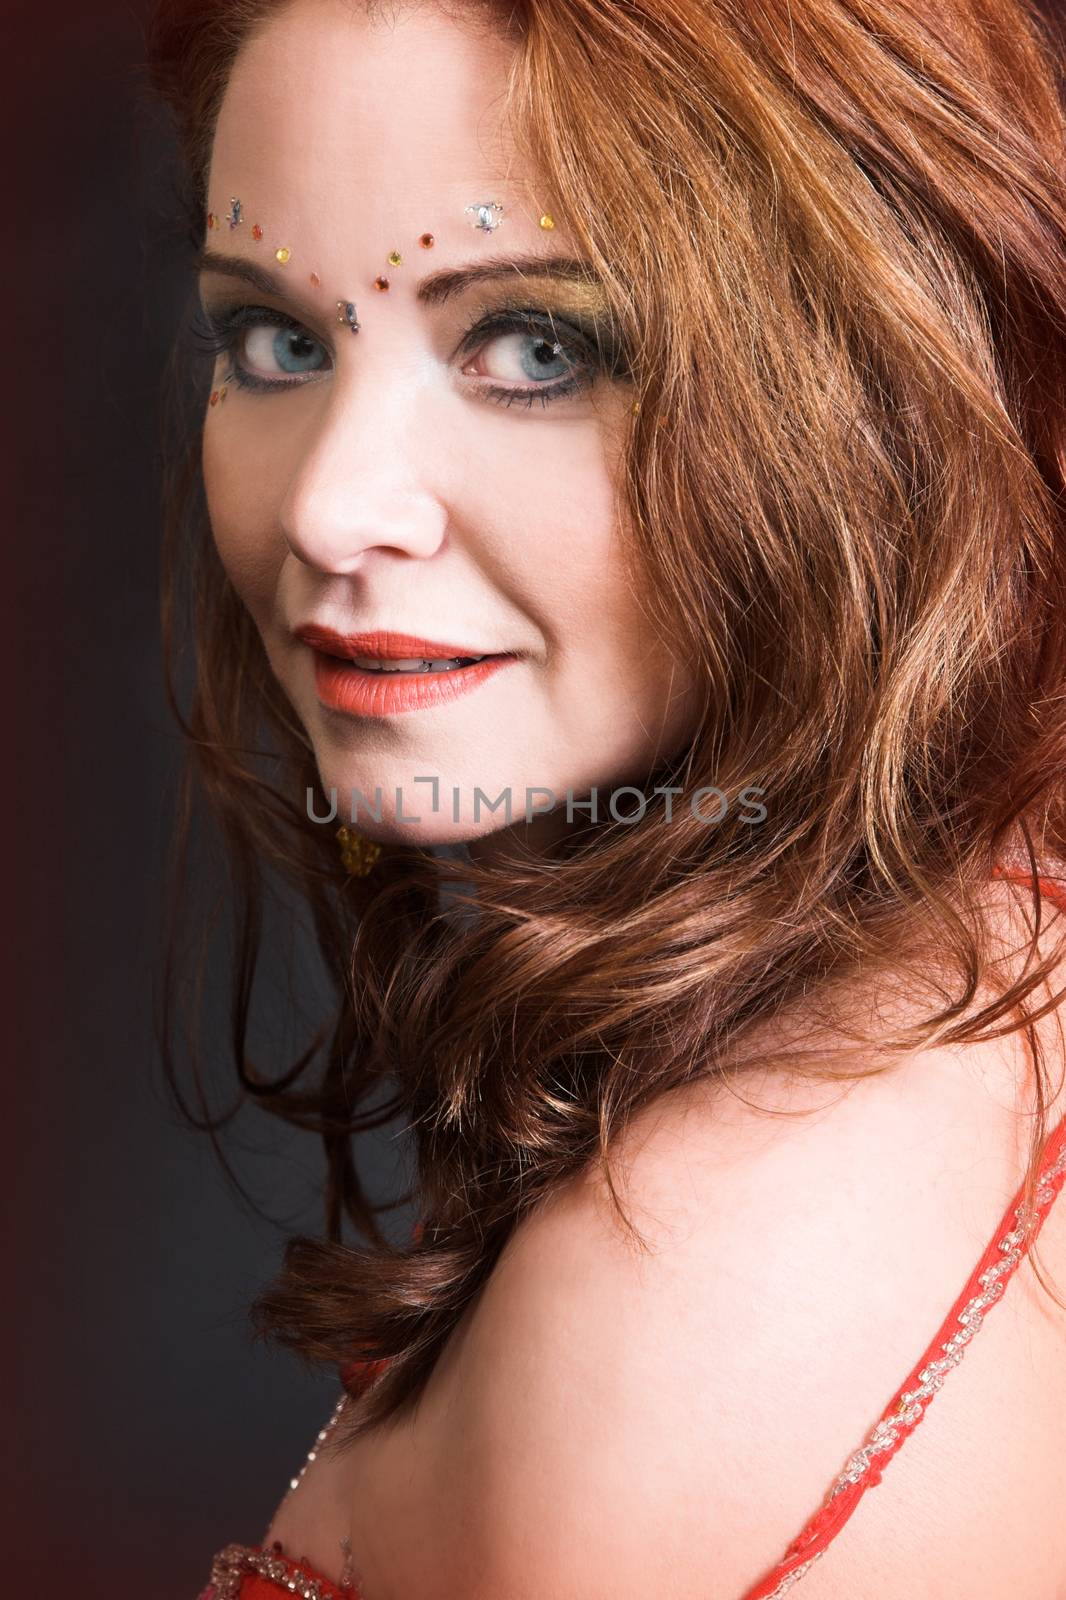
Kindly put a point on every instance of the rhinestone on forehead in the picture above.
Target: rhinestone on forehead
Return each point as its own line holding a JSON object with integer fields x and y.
{"x": 488, "y": 214}
{"x": 234, "y": 213}
{"x": 348, "y": 314}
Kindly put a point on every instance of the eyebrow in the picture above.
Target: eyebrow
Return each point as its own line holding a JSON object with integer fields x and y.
{"x": 433, "y": 290}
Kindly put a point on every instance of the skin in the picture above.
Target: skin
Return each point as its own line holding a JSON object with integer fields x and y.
{"x": 384, "y": 488}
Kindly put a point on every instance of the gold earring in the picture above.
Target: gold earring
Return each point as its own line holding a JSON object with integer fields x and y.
{"x": 358, "y": 853}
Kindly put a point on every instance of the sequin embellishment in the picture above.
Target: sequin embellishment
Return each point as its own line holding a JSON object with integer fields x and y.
{"x": 794, "y": 1577}
{"x": 488, "y": 214}
{"x": 237, "y": 1561}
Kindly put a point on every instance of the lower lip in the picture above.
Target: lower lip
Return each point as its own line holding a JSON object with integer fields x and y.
{"x": 343, "y": 687}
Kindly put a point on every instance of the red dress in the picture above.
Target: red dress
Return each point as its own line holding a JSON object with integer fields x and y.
{"x": 243, "y": 1572}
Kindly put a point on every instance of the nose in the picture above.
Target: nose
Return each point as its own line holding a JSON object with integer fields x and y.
{"x": 362, "y": 482}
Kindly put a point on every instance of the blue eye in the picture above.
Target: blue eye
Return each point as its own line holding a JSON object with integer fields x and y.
{"x": 290, "y": 349}
{"x": 537, "y": 356}
{"x": 261, "y": 342}
{"x": 555, "y": 357}
{"x": 543, "y": 359}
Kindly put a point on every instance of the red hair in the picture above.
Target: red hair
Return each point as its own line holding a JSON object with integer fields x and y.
{"x": 834, "y": 237}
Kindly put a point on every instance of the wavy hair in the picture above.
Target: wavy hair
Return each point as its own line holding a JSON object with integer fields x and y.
{"x": 833, "y": 233}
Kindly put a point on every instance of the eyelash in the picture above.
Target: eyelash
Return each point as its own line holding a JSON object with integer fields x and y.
{"x": 219, "y": 334}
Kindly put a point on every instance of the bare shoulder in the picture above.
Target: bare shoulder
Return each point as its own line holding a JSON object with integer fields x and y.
{"x": 624, "y": 1419}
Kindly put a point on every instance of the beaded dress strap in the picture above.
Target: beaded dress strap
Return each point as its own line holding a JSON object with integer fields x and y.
{"x": 986, "y": 1284}
{"x": 1017, "y": 1230}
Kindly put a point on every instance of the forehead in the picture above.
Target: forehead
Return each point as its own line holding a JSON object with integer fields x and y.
{"x": 335, "y": 107}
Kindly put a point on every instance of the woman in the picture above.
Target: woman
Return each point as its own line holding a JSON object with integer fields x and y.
{"x": 648, "y": 415}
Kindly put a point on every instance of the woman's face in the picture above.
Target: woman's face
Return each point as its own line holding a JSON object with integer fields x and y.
{"x": 448, "y": 470}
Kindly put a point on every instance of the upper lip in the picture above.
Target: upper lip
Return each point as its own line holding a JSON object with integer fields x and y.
{"x": 386, "y": 645}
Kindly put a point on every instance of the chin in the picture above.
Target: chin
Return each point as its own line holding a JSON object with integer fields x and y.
{"x": 407, "y": 810}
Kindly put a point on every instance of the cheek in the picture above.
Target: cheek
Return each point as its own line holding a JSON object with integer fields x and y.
{"x": 558, "y": 518}
{"x": 590, "y": 582}
{"x": 241, "y": 506}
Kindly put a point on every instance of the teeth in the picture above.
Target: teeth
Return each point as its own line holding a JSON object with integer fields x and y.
{"x": 375, "y": 664}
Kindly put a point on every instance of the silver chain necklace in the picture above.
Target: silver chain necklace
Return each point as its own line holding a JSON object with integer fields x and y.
{"x": 347, "y": 1577}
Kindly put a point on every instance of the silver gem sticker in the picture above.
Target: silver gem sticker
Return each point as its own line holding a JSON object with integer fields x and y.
{"x": 488, "y": 214}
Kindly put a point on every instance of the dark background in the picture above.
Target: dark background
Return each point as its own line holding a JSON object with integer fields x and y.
{"x": 142, "y": 1428}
